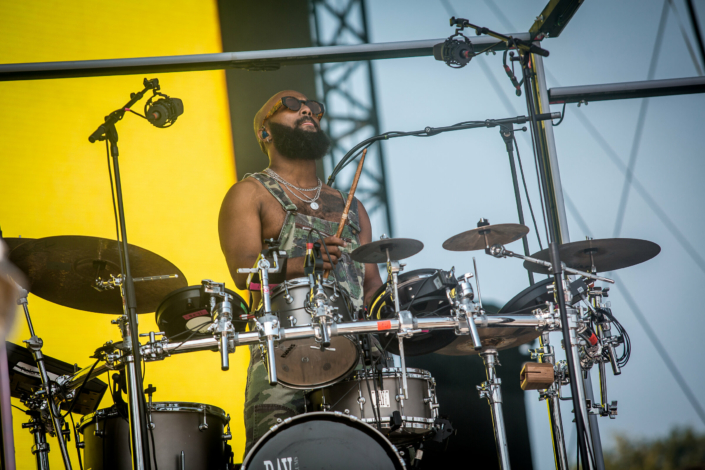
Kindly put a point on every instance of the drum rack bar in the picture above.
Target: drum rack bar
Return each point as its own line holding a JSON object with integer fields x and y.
{"x": 161, "y": 349}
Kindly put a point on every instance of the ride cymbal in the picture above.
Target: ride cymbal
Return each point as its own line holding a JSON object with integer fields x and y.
{"x": 376, "y": 252}
{"x": 64, "y": 270}
{"x": 485, "y": 236}
{"x": 607, "y": 254}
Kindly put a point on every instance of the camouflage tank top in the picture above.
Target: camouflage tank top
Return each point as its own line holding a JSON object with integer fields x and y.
{"x": 294, "y": 233}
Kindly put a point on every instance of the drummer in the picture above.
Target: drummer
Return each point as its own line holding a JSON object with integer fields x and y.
{"x": 284, "y": 202}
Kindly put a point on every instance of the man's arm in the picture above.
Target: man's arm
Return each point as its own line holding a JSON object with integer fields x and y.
{"x": 372, "y": 280}
{"x": 240, "y": 228}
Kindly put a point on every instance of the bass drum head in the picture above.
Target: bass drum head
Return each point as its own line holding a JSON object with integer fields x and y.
{"x": 424, "y": 291}
{"x": 185, "y": 312}
{"x": 323, "y": 440}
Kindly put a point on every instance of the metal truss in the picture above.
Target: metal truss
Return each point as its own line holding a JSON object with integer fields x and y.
{"x": 348, "y": 91}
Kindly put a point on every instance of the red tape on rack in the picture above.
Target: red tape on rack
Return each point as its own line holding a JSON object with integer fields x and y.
{"x": 384, "y": 325}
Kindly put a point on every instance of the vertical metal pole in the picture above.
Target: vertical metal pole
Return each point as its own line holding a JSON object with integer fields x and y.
{"x": 553, "y": 404}
{"x": 507, "y": 133}
{"x": 557, "y": 204}
{"x": 539, "y": 143}
{"x": 8, "y": 440}
{"x": 492, "y": 391}
{"x": 35, "y": 347}
{"x": 137, "y": 413}
{"x": 553, "y": 175}
{"x": 41, "y": 447}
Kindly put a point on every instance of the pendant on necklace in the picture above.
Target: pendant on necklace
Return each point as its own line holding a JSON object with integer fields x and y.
{"x": 314, "y": 206}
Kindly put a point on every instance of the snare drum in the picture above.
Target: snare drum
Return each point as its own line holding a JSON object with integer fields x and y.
{"x": 300, "y": 363}
{"x": 192, "y": 428}
{"x": 353, "y": 397}
{"x": 323, "y": 440}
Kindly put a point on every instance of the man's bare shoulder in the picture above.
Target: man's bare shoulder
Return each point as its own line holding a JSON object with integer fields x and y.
{"x": 246, "y": 191}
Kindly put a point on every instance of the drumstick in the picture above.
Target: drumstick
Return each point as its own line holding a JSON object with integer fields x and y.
{"x": 351, "y": 194}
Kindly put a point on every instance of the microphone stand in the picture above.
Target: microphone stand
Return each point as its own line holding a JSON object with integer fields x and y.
{"x": 139, "y": 443}
{"x": 507, "y": 133}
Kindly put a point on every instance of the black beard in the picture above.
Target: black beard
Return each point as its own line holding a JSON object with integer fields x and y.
{"x": 297, "y": 144}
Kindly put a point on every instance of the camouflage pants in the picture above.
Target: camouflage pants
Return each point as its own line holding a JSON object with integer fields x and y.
{"x": 264, "y": 404}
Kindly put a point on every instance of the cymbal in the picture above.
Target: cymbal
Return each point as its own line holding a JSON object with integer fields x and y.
{"x": 474, "y": 239}
{"x": 64, "y": 269}
{"x": 13, "y": 243}
{"x": 607, "y": 254}
{"x": 376, "y": 252}
{"x": 491, "y": 338}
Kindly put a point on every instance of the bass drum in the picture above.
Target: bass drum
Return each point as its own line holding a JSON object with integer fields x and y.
{"x": 178, "y": 427}
{"x": 323, "y": 440}
{"x": 423, "y": 292}
{"x": 300, "y": 363}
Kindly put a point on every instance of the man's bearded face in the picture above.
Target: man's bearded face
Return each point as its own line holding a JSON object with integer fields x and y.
{"x": 295, "y": 143}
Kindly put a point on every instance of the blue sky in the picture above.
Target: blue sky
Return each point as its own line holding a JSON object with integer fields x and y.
{"x": 442, "y": 185}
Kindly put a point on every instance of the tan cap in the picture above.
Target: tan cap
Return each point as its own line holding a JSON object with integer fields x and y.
{"x": 262, "y": 113}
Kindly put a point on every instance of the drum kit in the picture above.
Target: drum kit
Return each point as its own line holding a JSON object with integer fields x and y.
{"x": 365, "y": 408}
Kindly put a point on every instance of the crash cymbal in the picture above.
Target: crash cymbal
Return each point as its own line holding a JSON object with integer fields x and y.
{"x": 485, "y": 236}
{"x": 13, "y": 243}
{"x": 64, "y": 269}
{"x": 491, "y": 338}
{"x": 607, "y": 254}
{"x": 376, "y": 252}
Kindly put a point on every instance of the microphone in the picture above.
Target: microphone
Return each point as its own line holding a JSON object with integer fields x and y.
{"x": 164, "y": 112}
{"x": 454, "y": 52}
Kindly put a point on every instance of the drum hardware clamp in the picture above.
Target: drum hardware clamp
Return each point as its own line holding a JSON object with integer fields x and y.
{"x": 268, "y": 325}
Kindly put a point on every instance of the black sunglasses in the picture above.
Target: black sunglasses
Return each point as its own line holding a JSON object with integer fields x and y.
{"x": 294, "y": 104}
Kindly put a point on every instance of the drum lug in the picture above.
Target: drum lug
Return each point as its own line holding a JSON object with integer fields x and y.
{"x": 287, "y": 297}
{"x": 291, "y": 318}
{"x": 227, "y": 435}
{"x": 203, "y": 426}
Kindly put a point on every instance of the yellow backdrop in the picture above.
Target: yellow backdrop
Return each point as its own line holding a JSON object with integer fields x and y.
{"x": 54, "y": 182}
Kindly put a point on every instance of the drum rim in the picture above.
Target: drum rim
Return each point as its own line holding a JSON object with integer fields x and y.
{"x": 161, "y": 406}
{"x": 300, "y": 281}
{"x": 394, "y": 372}
{"x": 311, "y": 416}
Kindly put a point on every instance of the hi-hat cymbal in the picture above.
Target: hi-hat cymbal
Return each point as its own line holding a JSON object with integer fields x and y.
{"x": 485, "y": 236}
{"x": 607, "y": 254}
{"x": 64, "y": 269}
{"x": 376, "y": 252}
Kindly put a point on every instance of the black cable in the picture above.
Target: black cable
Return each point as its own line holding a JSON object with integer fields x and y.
{"x": 154, "y": 448}
{"x": 561, "y": 119}
{"x": 75, "y": 434}
{"x": 526, "y": 191}
{"x": 23, "y": 411}
{"x": 75, "y": 398}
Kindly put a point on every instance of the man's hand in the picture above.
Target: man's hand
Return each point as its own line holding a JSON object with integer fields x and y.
{"x": 333, "y": 244}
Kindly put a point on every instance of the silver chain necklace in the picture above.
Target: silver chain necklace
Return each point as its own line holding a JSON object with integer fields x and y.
{"x": 307, "y": 199}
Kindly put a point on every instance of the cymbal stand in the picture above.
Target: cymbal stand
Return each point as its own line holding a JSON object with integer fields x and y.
{"x": 34, "y": 343}
{"x": 267, "y": 325}
{"x": 405, "y": 318}
{"x": 491, "y": 389}
{"x": 546, "y": 354}
{"x": 38, "y": 428}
